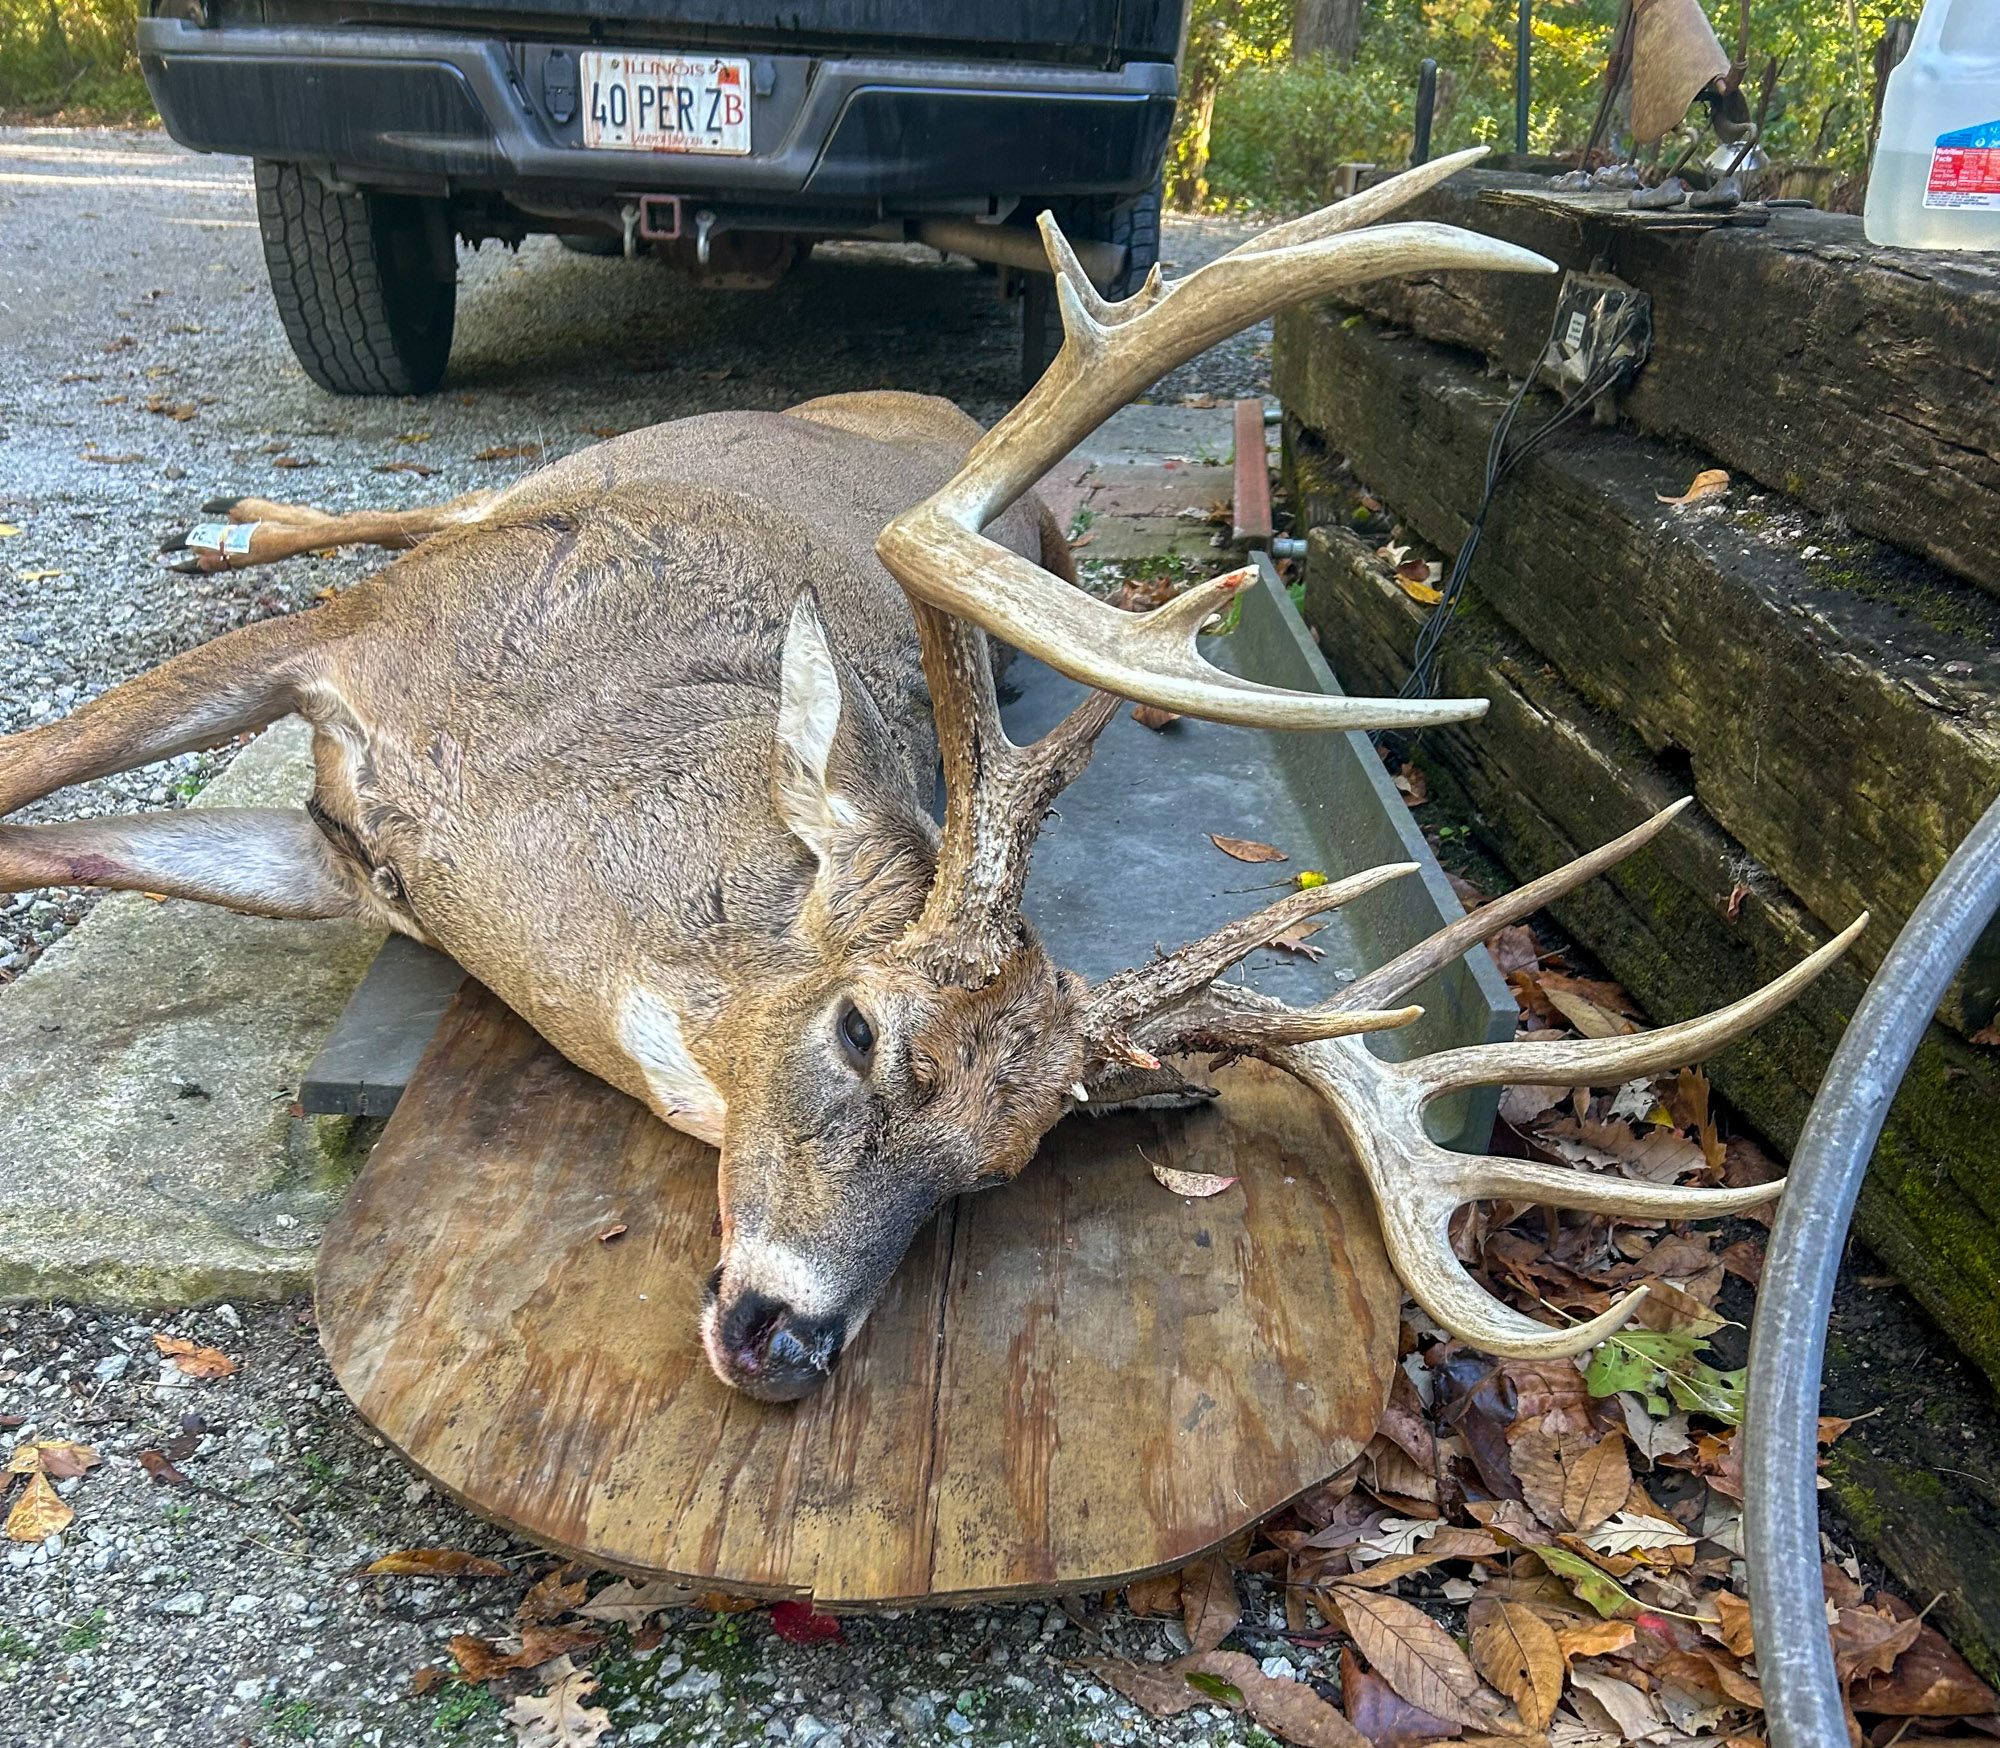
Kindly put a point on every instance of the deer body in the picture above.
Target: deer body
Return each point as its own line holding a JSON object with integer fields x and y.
{"x": 647, "y": 742}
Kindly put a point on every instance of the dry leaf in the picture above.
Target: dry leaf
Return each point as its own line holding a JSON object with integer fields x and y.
{"x": 1381, "y": 1714}
{"x": 61, "y": 1460}
{"x": 510, "y": 452}
{"x": 1652, "y": 1438}
{"x": 1153, "y": 717}
{"x": 1867, "y": 1641}
{"x": 627, "y": 1604}
{"x": 415, "y": 467}
{"x": 1415, "y": 1656}
{"x": 1596, "y": 1482}
{"x": 38, "y": 1514}
{"x": 434, "y": 1563}
{"x": 1632, "y": 1713}
{"x": 196, "y": 1361}
{"x": 1537, "y": 1463}
{"x": 1930, "y": 1680}
{"x": 1161, "y": 1689}
{"x": 1734, "y": 1613}
{"x": 1294, "y": 941}
{"x": 1245, "y": 850}
{"x": 552, "y": 1597}
{"x": 156, "y": 1464}
{"x": 1289, "y": 1709}
{"x": 1584, "y": 1014}
{"x": 426, "y": 1676}
{"x": 611, "y": 1232}
{"x": 1415, "y": 581}
{"x": 1190, "y": 1183}
{"x": 1711, "y": 482}
{"x": 1411, "y": 786}
{"x": 1594, "y": 1638}
{"x": 1516, "y": 1650}
{"x": 1209, "y": 1609}
{"x": 557, "y": 1717}
{"x": 1632, "y": 1532}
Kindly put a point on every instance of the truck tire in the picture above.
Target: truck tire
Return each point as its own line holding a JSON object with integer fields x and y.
{"x": 366, "y": 284}
{"x": 1133, "y": 221}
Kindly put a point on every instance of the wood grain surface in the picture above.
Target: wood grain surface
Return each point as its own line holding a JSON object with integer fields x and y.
{"x": 1073, "y": 1380}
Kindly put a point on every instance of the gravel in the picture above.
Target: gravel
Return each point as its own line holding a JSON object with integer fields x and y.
{"x": 232, "y": 1608}
{"x": 146, "y": 373}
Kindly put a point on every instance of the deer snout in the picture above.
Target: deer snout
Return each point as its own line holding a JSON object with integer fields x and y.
{"x": 767, "y": 1348}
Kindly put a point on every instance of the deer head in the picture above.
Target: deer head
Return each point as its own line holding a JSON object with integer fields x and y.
{"x": 933, "y": 1042}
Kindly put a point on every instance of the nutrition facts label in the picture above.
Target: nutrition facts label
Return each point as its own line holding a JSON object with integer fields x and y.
{"x": 1965, "y": 168}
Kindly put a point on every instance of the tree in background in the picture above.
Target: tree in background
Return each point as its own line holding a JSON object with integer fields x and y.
{"x": 57, "y": 54}
{"x": 1266, "y": 123}
{"x": 1326, "y": 27}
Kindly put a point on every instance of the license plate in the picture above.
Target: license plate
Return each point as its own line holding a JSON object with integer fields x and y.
{"x": 666, "y": 103}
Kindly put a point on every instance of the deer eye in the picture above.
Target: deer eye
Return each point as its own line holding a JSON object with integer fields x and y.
{"x": 857, "y": 1036}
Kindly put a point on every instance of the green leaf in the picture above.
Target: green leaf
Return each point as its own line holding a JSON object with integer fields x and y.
{"x": 1703, "y": 1390}
{"x": 1612, "y": 1369}
{"x": 1222, "y": 1692}
{"x": 1603, "y": 1592}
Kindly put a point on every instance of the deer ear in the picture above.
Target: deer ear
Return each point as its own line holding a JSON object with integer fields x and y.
{"x": 809, "y": 711}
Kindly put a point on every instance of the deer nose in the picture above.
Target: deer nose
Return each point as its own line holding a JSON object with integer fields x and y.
{"x": 770, "y": 1351}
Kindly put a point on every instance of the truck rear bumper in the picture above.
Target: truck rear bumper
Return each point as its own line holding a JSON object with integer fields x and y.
{"x": 439, "y": 113}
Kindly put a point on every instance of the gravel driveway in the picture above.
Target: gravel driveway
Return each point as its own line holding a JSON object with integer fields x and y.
{"x": 146, "y": 373}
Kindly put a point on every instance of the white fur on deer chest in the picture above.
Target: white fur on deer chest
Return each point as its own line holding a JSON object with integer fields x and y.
{"x": 649, "y": 1028}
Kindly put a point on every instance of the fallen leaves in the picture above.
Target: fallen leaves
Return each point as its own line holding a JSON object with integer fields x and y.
{"x": 1711, "y": 482}
{"x": 38, "y": 1513}
{"x": 510, "y": 452}
{"x": 1153, "y": 717}
{"x": 193, "y": 1359}
{"x": 1198, "y": 1184}
{"x": 1415, "y": 1655}
{"x": 1516, "y": 1650}
{"x": 558, "y": 1716}
{"x": 1209, "y": 1609}
{"x": 1246, "y": 849}
{"x": 434, "y": 1563}
{"x": 159, "y": 1467}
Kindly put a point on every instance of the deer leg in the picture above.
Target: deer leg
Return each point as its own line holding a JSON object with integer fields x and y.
{"x": 269, "y": 861}
{"x": 261, "y": 531}
{"x": 240, "y": 681}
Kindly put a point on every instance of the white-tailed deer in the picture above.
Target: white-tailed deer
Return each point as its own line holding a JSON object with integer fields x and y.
{"x": 647, "y": 743}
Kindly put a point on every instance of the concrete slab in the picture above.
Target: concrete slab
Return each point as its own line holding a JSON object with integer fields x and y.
{"x": 149, "y": 1067}
{"x": 373, "y": 1050}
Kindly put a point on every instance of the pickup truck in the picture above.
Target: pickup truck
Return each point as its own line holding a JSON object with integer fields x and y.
{"x": 725, "y": 136}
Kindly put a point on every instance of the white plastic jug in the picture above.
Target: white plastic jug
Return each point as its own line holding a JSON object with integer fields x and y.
{"x": 1936, "y": 178}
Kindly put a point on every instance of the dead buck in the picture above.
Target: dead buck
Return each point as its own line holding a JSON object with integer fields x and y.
{"x": 647, "y": 742}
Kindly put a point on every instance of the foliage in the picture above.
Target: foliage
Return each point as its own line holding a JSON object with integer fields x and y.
{"x": 1257, "y": 130}
{"x": 70, "y": 56}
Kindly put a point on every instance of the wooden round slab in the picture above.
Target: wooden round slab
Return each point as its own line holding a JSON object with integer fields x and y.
{"x": 1071, "y": 1381}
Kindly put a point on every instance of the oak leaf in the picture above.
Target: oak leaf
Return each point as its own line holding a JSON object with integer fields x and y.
{"x": 627, "y": 1604}
{"x": 558, "y": 1717}
{"x": 1516, "y": 1650}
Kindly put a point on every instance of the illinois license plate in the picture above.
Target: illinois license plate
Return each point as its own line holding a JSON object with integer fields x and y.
{"x": 666, "y": 103}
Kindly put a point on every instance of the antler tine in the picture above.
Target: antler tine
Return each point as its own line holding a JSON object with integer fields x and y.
{"x": 1111, "y": 352}
{"x": 1610, "y": 1061}
{"x": 1365, "y": 207}
{"x": 1404, "y": 972}
{"x": 995, "y": 796}
{"x": 1119, "y": 1003}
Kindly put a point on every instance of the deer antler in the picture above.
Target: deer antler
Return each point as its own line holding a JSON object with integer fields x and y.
{"x": 959, "y": 581}
{"x": 1418, "y": 1185}
{"x": 1111, "y": 352}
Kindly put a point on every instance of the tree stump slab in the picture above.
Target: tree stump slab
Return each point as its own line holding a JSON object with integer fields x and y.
{"x": 1071, "y": 1381}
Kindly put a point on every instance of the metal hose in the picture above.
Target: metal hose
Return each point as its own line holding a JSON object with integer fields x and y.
{"x": 1802, "y": 1695}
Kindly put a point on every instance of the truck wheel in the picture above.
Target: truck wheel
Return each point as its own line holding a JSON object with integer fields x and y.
{"x": 366, "y": 284}
{"x": 1133, "y": 221}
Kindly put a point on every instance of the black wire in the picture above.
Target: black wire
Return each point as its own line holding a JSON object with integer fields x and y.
{"x": 1500, "y": 462}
